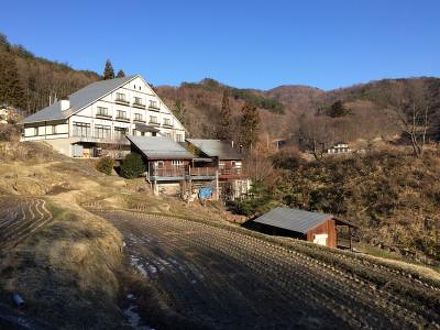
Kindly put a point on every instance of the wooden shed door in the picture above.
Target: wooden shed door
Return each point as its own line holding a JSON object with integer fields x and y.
{"x": 321, "y": 239}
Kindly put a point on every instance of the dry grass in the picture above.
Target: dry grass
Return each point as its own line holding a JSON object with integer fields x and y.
{"x": 66, "y": 271}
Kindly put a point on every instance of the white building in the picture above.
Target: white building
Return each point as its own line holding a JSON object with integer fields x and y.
{"x": 339, "y": 148}
{"x": 97, "y": 118}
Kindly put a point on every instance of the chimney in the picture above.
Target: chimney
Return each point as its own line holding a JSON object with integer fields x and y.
{"x": 64, "y": 104}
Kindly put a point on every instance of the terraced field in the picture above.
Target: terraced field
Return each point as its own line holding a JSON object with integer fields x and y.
{"x": 20, "y": 217}
{"x": 220, "y": 277}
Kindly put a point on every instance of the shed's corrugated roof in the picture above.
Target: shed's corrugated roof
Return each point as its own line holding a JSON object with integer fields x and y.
{"x": 293, "y": 219}
{"x": 216, "y": 148}
{"x": 158, "y": 147}
{"x": 79, "y": 100}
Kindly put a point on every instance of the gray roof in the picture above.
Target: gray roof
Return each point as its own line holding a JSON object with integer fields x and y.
{"x": 293, "y": 219}
{"x": 159, "y": 148}
{"x": 79, "y": 100}
{"x": 216, "y": 148}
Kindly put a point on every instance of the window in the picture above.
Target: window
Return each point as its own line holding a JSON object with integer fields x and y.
{"x": 159, "y": 164}
{"x": 153, "y": 105}
{"x": 102, "y": 112}
{"x": 134, "y": 86}
{"x": 138, "y": 116}
{"x": 33, "y": 131}
{"x": 138, "y": 101}
{"x": 54, "y": 129}
{"x": 179, "y": 137}
{"x": 81, "y": 129}
{"x": 177, "y": 163}
{"x": 121, "y": 114}
{"x": 102, "y": 131}
{"x": 120, "y": 132}
{"x": 140, "y": 88}
{"x": 167, "y": 122}
{"x": 168, "y": 135}
{"x": 153, "y": 120}
{"x": 120, "y": 97}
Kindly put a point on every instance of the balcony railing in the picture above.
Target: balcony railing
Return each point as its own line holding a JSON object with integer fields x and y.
{"x": 103, "y": 115}
{"x": 154, "y": 107}
{"x": 139, "y": 120}
{"x": 138, "y": 105}
{"x": 153, "y": 123}
{"x": 177, "y": 171}
{"x": 100, "y": 136}
{"x": 122, "y": 118}
{"x": 230, "y": 171}
{"x": 122, "y": 101}
{"x": 202, "y": 171}
{"x": 183, "y": 172}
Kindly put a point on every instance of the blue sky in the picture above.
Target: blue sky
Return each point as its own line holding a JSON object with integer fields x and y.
{"x": 258, "y": 44}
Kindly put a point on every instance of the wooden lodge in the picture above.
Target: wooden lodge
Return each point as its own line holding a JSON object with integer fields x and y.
{"x": 319, "y": 228}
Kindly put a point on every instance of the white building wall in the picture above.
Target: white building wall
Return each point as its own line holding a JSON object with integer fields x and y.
{"x": 135, "y": 88}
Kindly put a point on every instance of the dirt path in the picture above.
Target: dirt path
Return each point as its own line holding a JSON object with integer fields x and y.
{"x": 222, "y": 279}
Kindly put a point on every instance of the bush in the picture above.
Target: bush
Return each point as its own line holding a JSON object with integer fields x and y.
{"x": 132, "y": 166}
{"x": 105, "y": 165}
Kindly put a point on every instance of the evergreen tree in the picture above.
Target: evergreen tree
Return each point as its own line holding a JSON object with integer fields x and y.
{"x": 11, "y": 89}
{"x": 250, "y": 124}
{"x": 109, "y": 73}
{"x": 121, "y": 74}
{"x": 338, "y": 109}
{"x": 225, "y": 130}
{"x": 132, "y": 166}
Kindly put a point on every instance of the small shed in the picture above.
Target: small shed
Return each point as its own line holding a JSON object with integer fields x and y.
{"x": 316, "y": 227}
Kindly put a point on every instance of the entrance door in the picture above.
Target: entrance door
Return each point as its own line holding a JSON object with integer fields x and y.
{"x": 77, "y": 150}
{"x": 321, "y": 239}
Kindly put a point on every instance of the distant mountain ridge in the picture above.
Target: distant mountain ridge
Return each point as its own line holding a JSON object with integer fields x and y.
{"x": 42, "y": 80}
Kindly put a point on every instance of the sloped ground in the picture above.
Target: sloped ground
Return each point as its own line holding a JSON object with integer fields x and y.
{"x": 20, "y": 217}
{"x": 223, "y": 277}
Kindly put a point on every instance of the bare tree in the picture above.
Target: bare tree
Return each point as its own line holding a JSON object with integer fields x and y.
{"x": 315, "y": 135}
{"x": 410, "y": 104}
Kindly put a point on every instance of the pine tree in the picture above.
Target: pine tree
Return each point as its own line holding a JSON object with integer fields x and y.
{"x": 11, "y": 89}
{"x": 109, "y": 73}
{"x": 225, "y": 128}
{"x": 250, "y": 124}
{"x": 338, "y": 109}
{"x": 121, "y": 74}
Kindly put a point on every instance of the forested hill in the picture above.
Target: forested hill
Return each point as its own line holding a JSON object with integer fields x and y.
{"x": 28, "y": 81}
{"x": 281, "y": 107}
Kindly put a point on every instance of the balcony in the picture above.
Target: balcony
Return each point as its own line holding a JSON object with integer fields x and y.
{"x": 122, "y": 101}
{"x": 167, "y": 125}
{"x": 103, "y": 116}
{"x": 230, "y": 172}
{"x": 99, "y": 136}
{"x": 154, "y": 123}
{"x": 138, "y": 105}
{"x": 153, "y": 107}
{"x": 182, "y": 173}
{"x": 122, "y": 118}
{"x": 139, "y": 120}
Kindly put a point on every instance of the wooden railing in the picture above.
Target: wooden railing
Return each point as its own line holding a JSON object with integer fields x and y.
{"x": 203, "y": 171}
{"x": 183, "y": 171}
{"x": 230, "y": 171}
